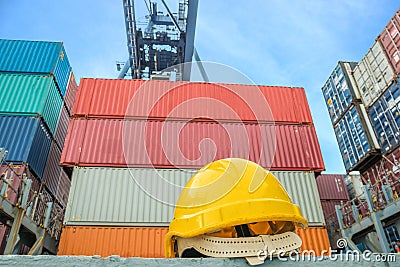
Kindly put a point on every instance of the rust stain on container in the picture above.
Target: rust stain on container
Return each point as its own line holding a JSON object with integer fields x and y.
{"x": 147, "y": 242}
{"x": 314, "y": 239}
{"x": 172, "y": 144}
{"x": 180, "y": 100}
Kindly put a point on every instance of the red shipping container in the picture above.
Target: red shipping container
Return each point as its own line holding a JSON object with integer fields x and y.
{"x": 53, "y": 169}
{"x": 390, "y": 40}
{"x": 173, "y": 144}
{"x": 70, "y": 95}
{"x": 332, "y": 186}
{"x": 62, "y": 127}
{"x": 181, "y": 100}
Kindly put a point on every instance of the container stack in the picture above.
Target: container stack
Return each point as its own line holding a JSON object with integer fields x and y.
{"x": 332, "y": 191}
{"x": 35, "y": 78}
{"x": 130, "y": 140}
{"x": 373, "y": 88}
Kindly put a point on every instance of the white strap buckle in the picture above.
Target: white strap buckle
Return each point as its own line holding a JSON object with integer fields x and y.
{"x": 254, "y": 249}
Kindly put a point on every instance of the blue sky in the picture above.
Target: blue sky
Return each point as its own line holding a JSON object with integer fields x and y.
{"x": 274, "y": 42}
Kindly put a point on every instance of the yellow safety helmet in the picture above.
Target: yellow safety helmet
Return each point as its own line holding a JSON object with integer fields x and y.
{"x": 231, "y": 198}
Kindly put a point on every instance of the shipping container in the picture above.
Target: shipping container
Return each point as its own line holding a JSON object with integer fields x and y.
{"x": 14, "y": 174}
{"x": 64, "y": 185}
{"x": 146, "y": 197}
{"x": 174, "y": 144}
{"x": 373, "y": 74}
{"x": 194, "y": 100}
{"x": 356, "y": 138}
{"x": 385, "y": 118}
{"x": 4, "y": 234}
{"x": 314, "y": 240}
{"x": 53, "y": 169}
{"x": 72, "y": 89}
{"x": 148, "y": 242}
{"x": 332, "y": 186}
{"x": 385, "y": 170}
{"x": 126, "y": 242}
{"x": 36, "y": 57}
{"x": 340, "y": 90}
{"x": 30, "y": 95}
{"x": 27, "y": 141}
{"x": 62, "y": 127}
{"x": 390, "y": 40}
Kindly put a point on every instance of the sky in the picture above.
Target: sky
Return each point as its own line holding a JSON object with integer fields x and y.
{"x": 273, "y": 42}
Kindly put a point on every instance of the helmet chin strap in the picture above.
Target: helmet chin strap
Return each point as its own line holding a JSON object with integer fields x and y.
{"x": 254, "y": 249}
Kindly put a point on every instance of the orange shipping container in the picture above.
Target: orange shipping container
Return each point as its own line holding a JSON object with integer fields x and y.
{"x": 148, "y": 242}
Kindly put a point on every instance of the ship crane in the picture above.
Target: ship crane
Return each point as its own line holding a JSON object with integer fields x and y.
{"x": 166, "y": 41}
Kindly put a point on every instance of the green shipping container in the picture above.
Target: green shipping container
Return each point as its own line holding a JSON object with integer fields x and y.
{"x": 30, "y": 95}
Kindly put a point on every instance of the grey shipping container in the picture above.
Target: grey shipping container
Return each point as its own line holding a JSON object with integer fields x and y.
{"x": 340, "y": 90}
{"x": 373, "y": 74}
{"x": 137, "y": 197}
{"x": 385, "y": 118}
{"x": 27, "y": 141}
{"x": 356, "y": 138}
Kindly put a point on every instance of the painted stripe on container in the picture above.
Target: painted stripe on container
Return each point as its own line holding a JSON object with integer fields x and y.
{"x": 332, "y": 186}
{"x": 126, "y": 242}
{"x": 30, "y": 95}
{"x": 148, "y": 242}
{"x": 390, "y": 40}
{"x": 27, "y": 140}
{"x": 340, "y": 90}
{"x": 36, "y": 57}
{"x": 373, "y": 74}
{"x": 222, "y": 102}
{"x": 385, "y": 118}
{"x": 172, "y": 144}
{"x": 356, "y": 139}
{"x": 111, "y": 196}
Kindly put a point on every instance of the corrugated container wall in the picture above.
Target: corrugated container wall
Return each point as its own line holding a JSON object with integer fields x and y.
{"x": 390, "y": 40}
{"x": 171, "y": 144}
{"x": 62, "y": 127}
{"x": 148, "y": 242}
{"x": 106, "y": 241}
{"x": 386, "y": 168}
{"x": 385, "y": 118}
{"x": 340, "y": 90}
{"x": 27, "y": 140}
{"x": 30, "y": 95}
{"x": 64, "y": 185}
{"x": 52, "y": 171}
{"x": 71, "y": 93}
{"x": 20, "y": 56}
{"x": 332, "y": 186}
{"x": 356, "y": 138}
{"x": 373, "y": 74}
{"x": 182, "y": 100}
{"x": 111, "y": 196}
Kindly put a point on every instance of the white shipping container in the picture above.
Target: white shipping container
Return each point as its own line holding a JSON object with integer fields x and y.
{"x": 146, "y": 197}
{"x": 373, "y": 74}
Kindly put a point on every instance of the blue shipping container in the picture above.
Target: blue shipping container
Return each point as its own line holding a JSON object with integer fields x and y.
{"x": 385, "y": 118}
{"x": 27, "y": 140}
{"x": 340, "y": 90}
{"x": 355, "y": 136}
{"x": 35, "y": 57}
